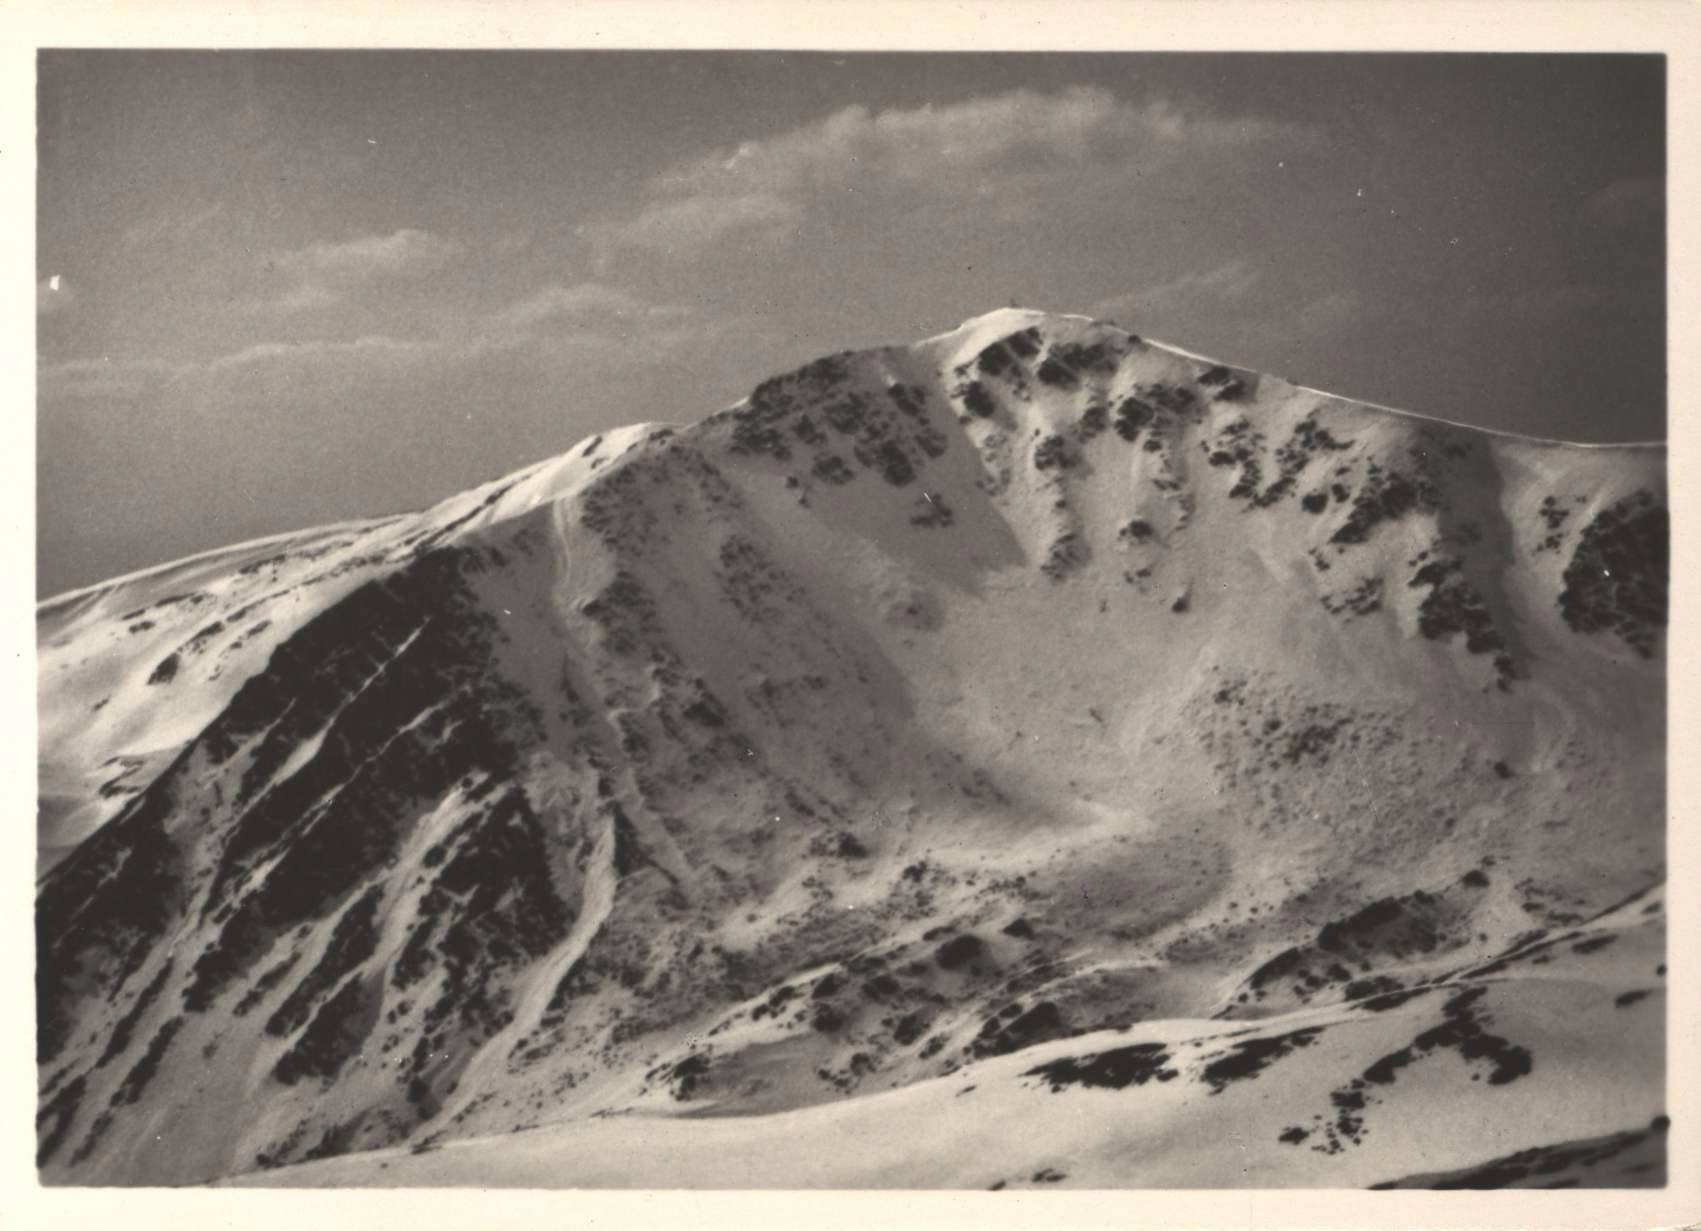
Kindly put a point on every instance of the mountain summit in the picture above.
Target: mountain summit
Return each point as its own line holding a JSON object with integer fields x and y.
{"x": 1035, "y": 755}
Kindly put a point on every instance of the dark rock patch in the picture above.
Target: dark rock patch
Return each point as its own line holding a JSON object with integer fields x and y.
{"x": 1464, "y": 1030}
{"x": 1132, "y": 414}
{"x": 1001, "y": 1035}
{"x": 137, "y": 1079}
{"x": 1362, "y": 599}
{"x": 910, "y": 1027}
{"x": 1392, "y": 1000}
{"x": 1109, "y": 1070}
{"x": 265, "y": 983}
{"x": 685, "y": 1076}
{"x": 1025, "y": 342}
{"x": 100, "y": 912}
{"x": 775, "y": 1003}
{"x": 1068, "y": 553}
{"x": 1249, "y": 1057}
{"x": 1054, "y": 453}
{"x": 166, "y": 671}
{"x": 1021, "y": 929}
{"x": 331, "y": 1039}
{"x": 119, "y": 1041}
{"x": 978, "y": 401}
{"x": 1312, "y": 742}
{"x": 1594, "y": 942}
{"x": 1055, "y": 374}
{"x": 1228, "y": 386}
{"x": 353, "y": 940}
{"x": 1385, "y": 496}
{"x": 1453, "y": 605}
{"x": 1619, "y": 575}
{"x": 831, "y": 468}
{"x": 1374, "y": 985}
{"x": 54, "y": 1118}
{"x": 1283, "y": 964}
{"x": 1094, "y": 357}
{"x": 959, "y": 951}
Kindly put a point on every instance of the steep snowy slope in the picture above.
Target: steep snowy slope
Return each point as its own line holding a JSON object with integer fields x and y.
{"x": 998, "y": 694}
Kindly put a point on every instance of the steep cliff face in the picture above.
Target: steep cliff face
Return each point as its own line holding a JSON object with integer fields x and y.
{"x": 933, "y": 704}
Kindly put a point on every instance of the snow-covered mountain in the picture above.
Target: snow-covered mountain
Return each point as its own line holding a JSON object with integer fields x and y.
{"x": 1031, "y": 756}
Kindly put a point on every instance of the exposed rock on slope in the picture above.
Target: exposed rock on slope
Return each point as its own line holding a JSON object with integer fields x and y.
{"x": 1030, "y": 718}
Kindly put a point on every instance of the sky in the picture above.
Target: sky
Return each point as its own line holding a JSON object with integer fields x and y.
{"x": 281, "y": 289}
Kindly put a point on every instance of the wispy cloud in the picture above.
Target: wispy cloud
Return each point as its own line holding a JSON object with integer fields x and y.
{"x": 579, "y": 304}
{"x": 594, "y": 325}
{"x": 104, "y": 379}
{"x": 589, "y": 325}
{"x": 1016, "y": 154}
{"x": 322, "y": 274}
{"x": 266, "y": 372}
{"x": 944, "y": 148}
{"x": 695, "y": 222}
{"x": 402, "y": 253}
{"x": 374, "y": 349}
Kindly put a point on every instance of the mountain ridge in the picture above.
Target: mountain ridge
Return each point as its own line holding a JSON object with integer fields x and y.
{"x": 929, "y": 705}
{"x": 992, "y": 317}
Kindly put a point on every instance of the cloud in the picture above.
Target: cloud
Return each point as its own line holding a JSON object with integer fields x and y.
{"x": 581, "y": 302}
{"x": 303, "y": 297}
{"x": 591, "y": 324}
{"x": 53, "y": 294}
{"x": 104, "y": 378}
{"x": 405, "y": 253}
{"x": 696, "y": 222}
{"x": 374, "y": 349}
{"x": 940, "y": 148}
{"x": 262, "y": 370}
{"x": 265, "y": 369}
{"x": 1019, "y": 154}
{"x": 584, "y": 326}
{"x": 322, "y": 274}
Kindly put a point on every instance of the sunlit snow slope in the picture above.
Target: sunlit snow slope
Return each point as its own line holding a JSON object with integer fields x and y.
{"x": 1030, "y": 756}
